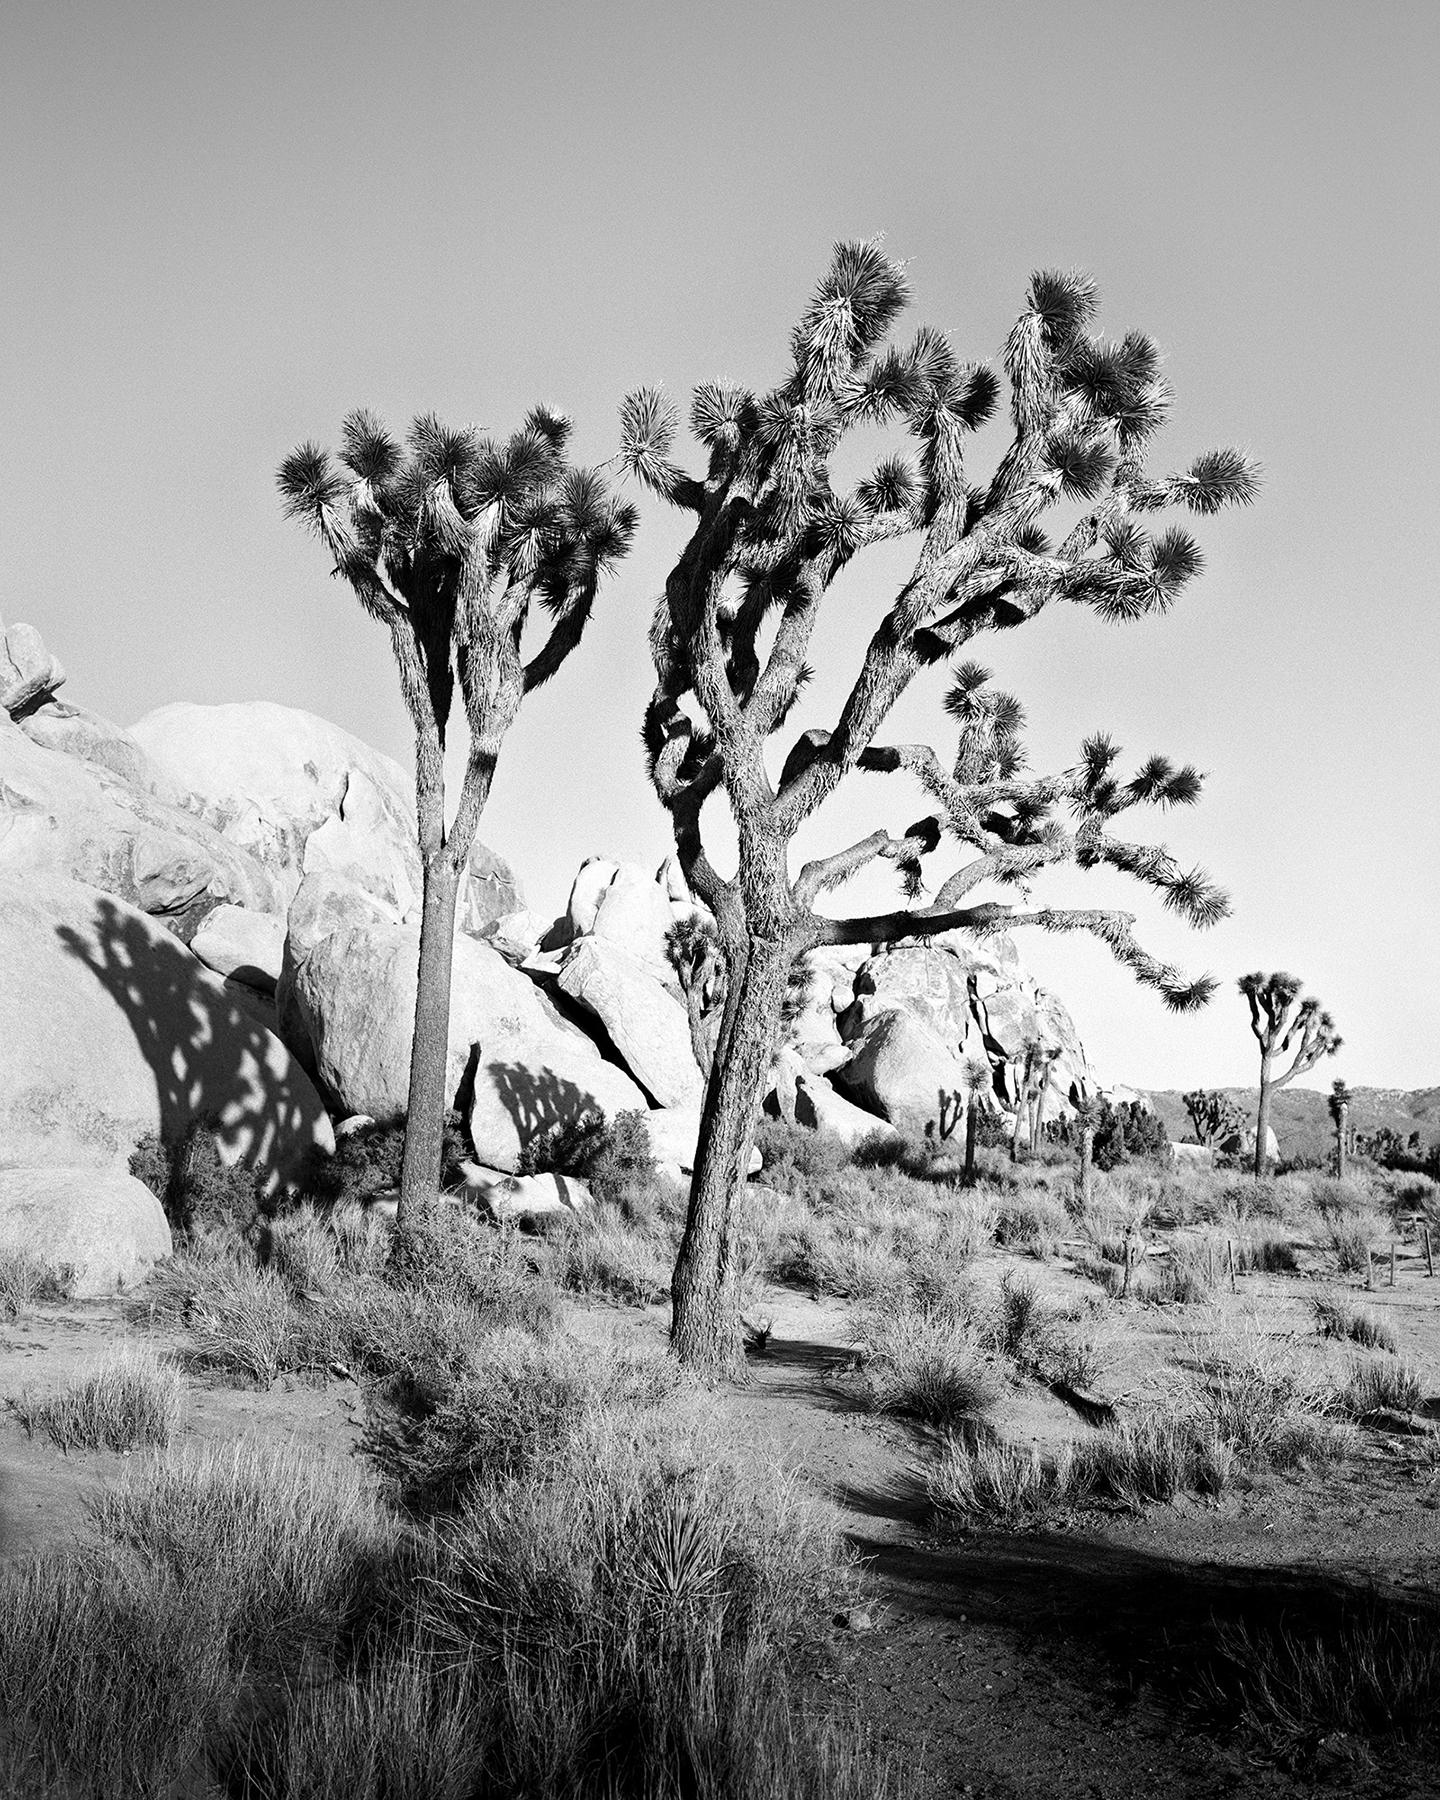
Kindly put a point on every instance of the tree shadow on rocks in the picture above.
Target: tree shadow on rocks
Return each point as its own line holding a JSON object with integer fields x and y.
{"x": 208, "y": 1057}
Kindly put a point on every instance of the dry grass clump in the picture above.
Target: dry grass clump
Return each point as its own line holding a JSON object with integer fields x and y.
{"x": 992, "y": 1482}
{"x": 25, "y": 1279}
{"x": 129, "y": 1401}
{"x": 608, "y": 1256}
{"x": 928, "y": 1366}
{"x": 1034, "y": 1223}
{"x": 1372, "y": 1671}
{"x": 1380, "y": 1383}
{"x": 1261, "y": 1252}
{"x": 1263, "y": 1403}
{"x": 1339, "y": 1319}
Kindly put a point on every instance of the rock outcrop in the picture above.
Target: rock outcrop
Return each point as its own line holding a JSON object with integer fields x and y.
{"x": 99, "y": 1227}
{"x": 65, "y": 815}
{"x": 29, "y": 674}
{"x": 111, "y": 1029}
{"x": 644, "y": 1019}
{"x": 515, "y": 1063}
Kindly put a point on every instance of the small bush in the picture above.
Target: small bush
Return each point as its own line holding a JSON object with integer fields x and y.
{"x": 1266, "y": 1253}
{"x": 24, "y": 1279}
{"x": 244, "y": 1322}
{"x": 1338, "y": 1319}
{"x": 927, "y": 1365}
{"x": 1382, "y": 1383}
{"x": 1022, "y": 1321}
{"x": 1254, "y": 1394}
{"x": 445, "y": 1252}
{"x": 1154, "y": 1458}
{"x": 202, "y": 1195}
{"x": 799, "y": 1162}
{"x": 130, "y": 1401}
{"x": 995, "y": 1482}
{"x": 366, "y": 1163}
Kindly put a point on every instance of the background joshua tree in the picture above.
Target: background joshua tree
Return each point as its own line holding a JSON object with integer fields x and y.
{"x": 448, "y": 542}
{"x": 1213, "y": 1115}
{"x": 1088, "y": 1113}
{"x": 693, "y": 946}
{"x": 1280, "y": 1019}
{"x": 977, "y": 1081}
{"x": 770, "y": 534}
{"x": 1340, "y": 1114}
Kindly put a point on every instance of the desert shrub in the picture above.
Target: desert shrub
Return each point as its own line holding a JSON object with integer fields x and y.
{"x": 129, "y": 1401}
{"x": 1382, "y": 1382}
{"x": 799, "y": 1162}
{"x": 1373, "y": 1670}
{"x": 243, "y": 1321}
{"x": 1338, "y": 1319}
{"x": 996, "y": 1482}
{"x": 812, "y": 1253}
{"x": 1266, "y": 1253}
{"x": 603, "y": 1255}
{"x": 615, "y": 1159}
{"x": 446, "y": 1252}
{"x": 361, "y": 1238}
{"x": 202, "y": 1195}
{"x": 927, "y": 1364}
{"x": 515, "y": 1402}
{"x": 1254, "y": 1393}
{"x": 302, "y": 1250}
{"x": 1032, "y": 1222}
{"x": 366, "y": 1163}
{"x": 1153, "y": 1458}
{"x": 1022, "y": 1321}
{"x": 24, "y": 1279}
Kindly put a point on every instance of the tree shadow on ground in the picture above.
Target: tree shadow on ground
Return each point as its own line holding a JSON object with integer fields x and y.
{"x": 210, "y": 1059}
{"x": 1158, "y": 1619}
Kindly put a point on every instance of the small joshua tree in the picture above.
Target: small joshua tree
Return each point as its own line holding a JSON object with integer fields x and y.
{"x": 1213, "y": 1115}
{"x": 449, "y": 542}
{"x": 1088, "y": 1113}
{"x": 1340, "y": 1114}
{"x": 770, "y": 530}
{"x": 693, "y": 946}
{"x": 1282, "y": 1020}
{"x": 976, "y": 1080}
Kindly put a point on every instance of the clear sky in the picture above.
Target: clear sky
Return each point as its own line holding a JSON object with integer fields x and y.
{"x": 223, "y": 227}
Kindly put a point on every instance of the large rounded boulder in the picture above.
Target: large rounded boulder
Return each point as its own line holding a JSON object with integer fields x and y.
{"x": 99, "y": 1229}
{"x": 110, "y": 1030}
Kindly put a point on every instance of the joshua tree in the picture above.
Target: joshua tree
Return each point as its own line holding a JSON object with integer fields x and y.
{"x": 975, "y": 1079}
{"x": 448, "y": 542}
{"x": 1340, "y": 1113}
{"x": 1031, "y": 1067}
{"x": 1280, "y": 1019}
{"x": 1212, "y": 1114}
{"x": 693, "y": 946}
{"x": 770, "y": 533}
{"x": 1088, "y": 1113}
{"x": 1050, "y": 1055}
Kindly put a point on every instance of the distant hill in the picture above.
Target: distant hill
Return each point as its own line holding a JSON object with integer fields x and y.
{"x": 1300, "y": 1116}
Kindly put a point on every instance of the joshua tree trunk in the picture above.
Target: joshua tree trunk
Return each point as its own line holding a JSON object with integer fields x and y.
{"x": 1262, "y": 1118}
{"x": 430, "y": 1047}
{"x": 705, "y": 1328}
{"x": 972, "y": 1125}
{"x": 1037, "y": 1112}
{"x": 1087, "y": 1165}
{"x": 1019, "y": 1129}
{"x": 1341, "y": 1124}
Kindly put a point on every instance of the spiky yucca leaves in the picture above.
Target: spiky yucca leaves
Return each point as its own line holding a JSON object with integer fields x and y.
{"x": 1212, "y": 1114}
{"x": 449, "y": 540}
{"x": 773, "y": 525}
{"x": 1282, "y": 1020}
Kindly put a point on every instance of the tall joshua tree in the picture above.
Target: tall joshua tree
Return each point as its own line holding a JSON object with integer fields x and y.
{"x": 770, "y": 533}
{"x": 449, "y": 541}
{"x": 1282, "y": 1020}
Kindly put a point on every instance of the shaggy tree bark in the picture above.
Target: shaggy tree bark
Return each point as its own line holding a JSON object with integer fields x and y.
{"x": 1281, "y": 1020}
{"x": 448, "y": 542}
{"x": 770, "y": 535}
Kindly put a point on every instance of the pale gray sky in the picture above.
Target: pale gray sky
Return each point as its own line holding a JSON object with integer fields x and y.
{"x": 224, "y": 227}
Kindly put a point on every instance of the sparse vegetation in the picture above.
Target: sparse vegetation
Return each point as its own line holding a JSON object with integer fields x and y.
{"x": 1338, "y": 1319}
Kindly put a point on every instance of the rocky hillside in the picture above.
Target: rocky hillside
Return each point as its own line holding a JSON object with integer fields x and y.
{"x": 1301, "y": 1119}
{"x": 214, "y": 914}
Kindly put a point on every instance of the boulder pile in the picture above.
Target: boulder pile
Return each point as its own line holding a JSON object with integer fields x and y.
{"x": 215, "y": 915}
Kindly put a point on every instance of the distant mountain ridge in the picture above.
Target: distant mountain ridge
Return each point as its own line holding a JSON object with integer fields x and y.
{"x": 1300, "y": 1116}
